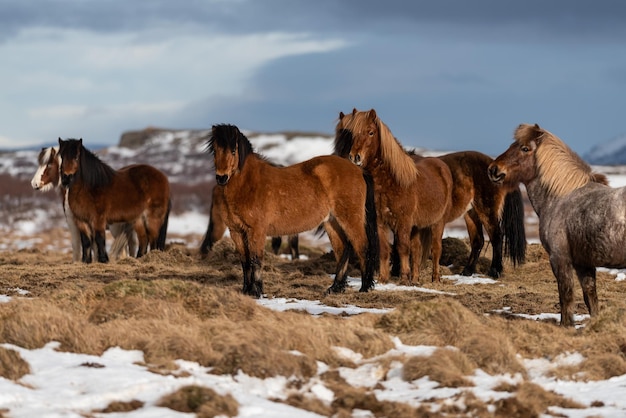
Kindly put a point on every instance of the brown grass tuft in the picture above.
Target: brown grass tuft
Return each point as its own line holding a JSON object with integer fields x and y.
{"x": 538, "y": 400}
{"x": 205, "y": 402}
{"x": 12, "y": 366}
{"x": 446, "y": 366}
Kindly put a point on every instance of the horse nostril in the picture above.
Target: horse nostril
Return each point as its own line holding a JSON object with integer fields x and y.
{"x": 65, "y": 179}
{"x": 221, "y": 180}
{"x": 495, "y": 175}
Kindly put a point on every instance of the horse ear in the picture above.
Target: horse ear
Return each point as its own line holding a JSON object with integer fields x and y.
{"x": 372, "y": 114}
{"x": 60, "y": 140}
{"x": 80, "y": 141}
{"x": 354, "y": 111}
{"x": 341, "y": 115}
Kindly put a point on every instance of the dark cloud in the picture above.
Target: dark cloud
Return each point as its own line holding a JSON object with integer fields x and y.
{"x": 602, "y": 20}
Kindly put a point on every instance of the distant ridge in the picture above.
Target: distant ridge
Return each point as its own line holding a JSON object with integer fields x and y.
{"x": 612, "y": 152}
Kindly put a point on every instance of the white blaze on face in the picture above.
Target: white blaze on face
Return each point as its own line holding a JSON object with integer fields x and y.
{"x": 37, "y": 182}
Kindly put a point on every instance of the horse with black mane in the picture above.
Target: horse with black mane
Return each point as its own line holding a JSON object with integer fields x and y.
{"x": 98, "y": 195}
{"x": 48, "y": 177}
{"x": 412, "y": 197}
{"x": 263, "y": 200}
{"x": 582, "y": 221}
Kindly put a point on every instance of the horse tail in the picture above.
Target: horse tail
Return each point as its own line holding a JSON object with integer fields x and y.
{"x": 160, "y": 244}
{"x": 120, "y": 232}
{"x": 426, "y": 238}
{"x": 512, "y": 222}
{"x": 208, "y": 241}
{"x": 372, "y": 260}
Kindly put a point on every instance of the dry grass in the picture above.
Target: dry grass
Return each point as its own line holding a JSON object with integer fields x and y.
{"x": 172, "y": 305}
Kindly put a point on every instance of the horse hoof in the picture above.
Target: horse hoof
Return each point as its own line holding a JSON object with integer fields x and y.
{"x": 467, "y": 272}
{"x": 336, "y": 289}
{"x": 494, "y": 273}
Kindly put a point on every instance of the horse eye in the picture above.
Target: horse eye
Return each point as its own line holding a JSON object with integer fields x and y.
{"x": 525, "y": 149}
{"x": 371, "y": 133}
{"x": 233, "y": 152}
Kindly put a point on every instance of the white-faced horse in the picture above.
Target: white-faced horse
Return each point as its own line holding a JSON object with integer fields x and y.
{"x": 47, "y": 177}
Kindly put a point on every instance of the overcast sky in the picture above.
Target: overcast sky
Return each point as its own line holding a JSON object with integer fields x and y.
{"x": 445, "y": 75}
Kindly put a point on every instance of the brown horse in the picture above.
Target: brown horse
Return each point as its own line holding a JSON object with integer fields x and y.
{"x": 97, "y": 194}
{"x": 48, "y": 177}
{"x": 582, "y": 222}
{"x": 265, "y": 200}
{"x": 217, "y": 228}
{"x": 413, "y": 198}
{"x": 499, "y": 210}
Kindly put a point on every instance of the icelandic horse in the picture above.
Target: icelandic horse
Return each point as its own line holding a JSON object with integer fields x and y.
{"x": 98, "y": 195}
{"x": 412, "y": 197}
{"x": 582, "y": 221}
{"x": 47, "y": 177}
{"x": 262, "y": 200}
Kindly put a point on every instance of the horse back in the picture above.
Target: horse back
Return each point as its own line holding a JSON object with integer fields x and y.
{"x": 292, "y": 199}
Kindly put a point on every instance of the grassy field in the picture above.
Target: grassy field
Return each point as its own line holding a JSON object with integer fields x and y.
{"x": 173, "y": 305}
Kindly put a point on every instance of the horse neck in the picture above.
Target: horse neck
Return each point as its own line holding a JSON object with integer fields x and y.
{"x": 540, "y": 197}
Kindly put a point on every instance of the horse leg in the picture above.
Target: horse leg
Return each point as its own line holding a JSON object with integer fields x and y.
{"x": 436, "y": 248}
{"x": 564, "y": 273}
{"x": 496, "y": 237}
{"x": 142, "y": 237}
{"x": 342, "y": 256}
{"x": 86, "y": 245}
{"x": 100, "y": 240}
{"x": 385, "y": 255}
{"x": 587, "y": 279}
{"x": 477, "y": 240}
{"x": 276, "y": 243}
{"x": 255, "y": 241}
{"x": 294, "y": 246}
{"x": 421, "y": 243}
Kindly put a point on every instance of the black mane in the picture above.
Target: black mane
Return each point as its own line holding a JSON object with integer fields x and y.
{"x": 230, "y": 137}
{"x": 91, "y": 170}
{"x": 343, "y": 143}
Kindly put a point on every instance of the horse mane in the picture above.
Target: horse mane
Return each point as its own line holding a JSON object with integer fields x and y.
{"x": 47, "y": 154}
{"x": 92, "y": 171}
{"x": 393, "y": 154}
{"x": 560, "y": 169}
{"x": 230, "y": 137}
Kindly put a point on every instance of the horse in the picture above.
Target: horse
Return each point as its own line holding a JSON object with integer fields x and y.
{"x": 412, "y": 197}
{"x": 582, "y": 221}
{"x": 98, "y": 195}
{"x": 262, "y": 200}
{"x": 499, "y": 210}
{"x": 47, "y": 177}
{"x": 217, "y": 227}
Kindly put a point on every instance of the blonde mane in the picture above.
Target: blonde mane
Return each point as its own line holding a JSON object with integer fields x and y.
{"x": 560, "y": 169}
{"x": 391, "y": 151}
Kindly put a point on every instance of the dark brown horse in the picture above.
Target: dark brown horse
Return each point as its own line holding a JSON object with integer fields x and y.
{"x": 217, "y": 228}
{"x": 48, "y": 177}
{"x": 582, "y": 221}
{"x": 413, "y": 198}
{"x": 265, "y": 200}
{"x": 483, "y": 204}
{"x": 97, "y": 194}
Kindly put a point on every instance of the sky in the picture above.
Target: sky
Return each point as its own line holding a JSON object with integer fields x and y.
{"x": 446, "y": 75}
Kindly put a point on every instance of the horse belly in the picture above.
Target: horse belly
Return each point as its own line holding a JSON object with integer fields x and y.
{"x": 597, "y": 231}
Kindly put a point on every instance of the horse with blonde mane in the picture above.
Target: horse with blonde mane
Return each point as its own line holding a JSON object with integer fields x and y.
{"x": 582, "y": 221}
{"x": 412, "y": 197}
{"x": 47, "y": 177}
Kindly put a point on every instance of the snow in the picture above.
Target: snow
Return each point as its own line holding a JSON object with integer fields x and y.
{"x": 65, "y": 384}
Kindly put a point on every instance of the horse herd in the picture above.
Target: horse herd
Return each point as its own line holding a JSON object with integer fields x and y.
{"x": 379, "y": 204}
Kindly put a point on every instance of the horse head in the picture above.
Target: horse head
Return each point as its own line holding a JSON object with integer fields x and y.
{"x": 518, "y": 163}
{"x": 229, "y": 148}
{"x": 359, "y": 130}
{"x": 47, "y": 175}
{"x": 69, "y": 153}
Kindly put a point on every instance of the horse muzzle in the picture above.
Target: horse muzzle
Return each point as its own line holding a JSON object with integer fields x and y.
{"x": 66, "y": 179}
{"x": 221, "y": 180}
{"x": 495, "y": 175}
{"x": 356, "y": 159}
